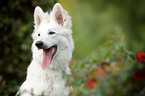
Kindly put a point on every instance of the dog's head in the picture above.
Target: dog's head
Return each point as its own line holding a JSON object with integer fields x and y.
{"x": 53, "y": 44}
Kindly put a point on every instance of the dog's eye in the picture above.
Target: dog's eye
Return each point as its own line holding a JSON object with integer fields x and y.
{"x": 51, "y": 33}
{"x": 39, "y": 34}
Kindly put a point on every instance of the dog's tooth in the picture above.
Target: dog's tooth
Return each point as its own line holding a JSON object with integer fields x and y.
{"x": 52, "y": 50}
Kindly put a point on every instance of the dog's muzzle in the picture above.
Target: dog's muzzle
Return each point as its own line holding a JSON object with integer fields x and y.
{"x": 39, "y": 44}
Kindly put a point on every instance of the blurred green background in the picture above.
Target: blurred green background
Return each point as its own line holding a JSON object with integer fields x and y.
{"x": 92, "y": 21}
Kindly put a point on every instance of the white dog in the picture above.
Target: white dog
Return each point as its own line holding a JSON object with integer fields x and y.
{"x": 52, "y": 50}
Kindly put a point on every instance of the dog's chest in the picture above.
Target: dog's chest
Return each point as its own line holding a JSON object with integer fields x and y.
{"x": 52, "y": 84}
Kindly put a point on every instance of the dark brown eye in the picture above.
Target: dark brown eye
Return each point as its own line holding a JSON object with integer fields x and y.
{"x": 39, "y": 34}
{"x": 51, "y": 33}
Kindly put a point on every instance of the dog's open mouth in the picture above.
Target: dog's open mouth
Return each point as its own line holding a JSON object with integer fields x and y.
{"x": 48, "y": 55}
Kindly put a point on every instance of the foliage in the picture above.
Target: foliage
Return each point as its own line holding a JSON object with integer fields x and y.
{"x": 118, "y": 73}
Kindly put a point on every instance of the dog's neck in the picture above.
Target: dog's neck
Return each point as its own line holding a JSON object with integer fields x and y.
{"x": 36, "y": 71}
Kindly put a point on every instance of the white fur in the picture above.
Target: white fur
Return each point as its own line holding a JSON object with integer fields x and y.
{"x": 50, "y": 81}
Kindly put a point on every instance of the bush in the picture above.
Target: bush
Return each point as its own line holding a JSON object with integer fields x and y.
{"x": 119, "y": 73}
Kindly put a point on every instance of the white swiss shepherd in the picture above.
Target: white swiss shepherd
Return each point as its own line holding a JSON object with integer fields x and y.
{"x": 52, "y": 50}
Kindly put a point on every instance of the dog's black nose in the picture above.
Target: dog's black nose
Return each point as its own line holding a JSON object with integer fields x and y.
{"x": 39, "y": 44}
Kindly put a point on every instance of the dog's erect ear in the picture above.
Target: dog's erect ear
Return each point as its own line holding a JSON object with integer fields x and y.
{"x": 38, "y": 15}
{"x": 60, "y": 16}
{"x": 58, "y": 13}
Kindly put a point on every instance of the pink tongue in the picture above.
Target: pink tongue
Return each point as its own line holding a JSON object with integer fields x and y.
{"x": 47, "y": 55}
